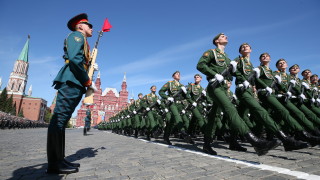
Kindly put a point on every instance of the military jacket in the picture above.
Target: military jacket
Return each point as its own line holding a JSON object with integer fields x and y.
{"x": 194, "y": 91}
{"x": 213, "y": 61}
{"x": 265, "y": 79}
{"x": 244, "y": 69}
{"x": 297, "y": 88}
{"x": 171, "y": 87}
{"x": 76, "y": 55}
{"x": 285, "y": 81}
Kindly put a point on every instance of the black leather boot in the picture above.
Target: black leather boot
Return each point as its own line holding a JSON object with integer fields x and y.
{"x": 64, "y": 151}
{"x": 187, "y": 138}
{"x": 307, "y": 137}
{"x": 136, "y": 131}
{"x": 166, "y": 138}
{"x": 234, "y": 144}
{"x": 148, "y": 135}
{"x": 261, "y": 146}
{"x": 289, "y": 143}
{"x": 56, "y": 163}
{"x": 207, "y": 146}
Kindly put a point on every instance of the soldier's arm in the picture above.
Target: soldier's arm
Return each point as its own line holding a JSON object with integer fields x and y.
{"x": 163, "y": 90}
{"x": 259, "y": 82}
{"x": 203, "y": 64}
{"x": 239, "y": 73}
{"x": 74, "y": 45}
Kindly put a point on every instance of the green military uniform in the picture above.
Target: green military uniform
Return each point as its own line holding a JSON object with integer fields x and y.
{"x": 70, "y": 83}
{"x": 172, "y": 87}
{"x": 87, "y": 122}
{"x": 196, "y": 92}
{"x": 212, "y": 63}
{"x": 310, "y": 94}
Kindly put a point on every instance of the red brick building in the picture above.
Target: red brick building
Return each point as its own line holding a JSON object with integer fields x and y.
{"x": 33, "y": 108}
{"x": 106, "y": 103}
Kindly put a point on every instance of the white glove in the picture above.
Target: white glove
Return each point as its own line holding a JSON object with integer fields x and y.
{"x": 166, "y": 110}
{"x": 183, "y": 111}
{"x": 313, "y": 100}
{"x": 246, "y": 84}
{"x": 318, "y": 100}
{"x": 293, "y": 82}
{"x": 289, "y": 94}
{"x": 128, "y": 116}
{"x": 234, "y": 66}
{"x": 302, "y": 96}
{"x": 204, "y": 92}
{"x": 184, "y": 89}
{"x": 158, "y": 101}
{"x": 93, "y": 87}
{"x": 209, "y": 104}
{"x": 305, "y": 85}
{"x": 95, "y": 67}
{"x": 148, "y": 109}
{"x": 219, "y": 77}
{"x": 269, "y": 90}
{"x": 278, "y": 78}
{"x": 204, "y": 104}
{"x": 134, "y": 112}
{"x": 257, "y": 70}
{"x": 194, "y": 104}
{"x": 315, "y": 89}
{"x": 170, "y": 99}
{"x": 234, "y": 96}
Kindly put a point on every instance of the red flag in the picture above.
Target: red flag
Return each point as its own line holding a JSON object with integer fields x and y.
{"x": 106, "y": 26}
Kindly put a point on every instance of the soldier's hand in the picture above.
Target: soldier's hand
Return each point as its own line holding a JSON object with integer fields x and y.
{"x": 278, "y": 79}
{"x": 158, "y": 101}
{"x": 148, "y": 109}
{"x": 269, "y": 90}
{"x": 95, "y": 67}
{"x": 134, "y": 112}
{"x": 219, "y": 77}
{"x": 302, "y": 96}
{"x": 170, "y": 99}
{"x": 313, "y": 100}
{"x": 93, "y": 87}
{"x": 204, "y": 92}
{"x": 234, "y": 66}
{"x": 184, "y": 89}
{"x": 183, "y": 111}
{"x": 257, "y": 70}
{"x": 289, "y": 94}
{"x": 305, "y": 85}
{"x": 166, "y": 110}
{"x": 194, "y": 104}
{"x": 246, "y": 84}
{"x": 293, "y": 82}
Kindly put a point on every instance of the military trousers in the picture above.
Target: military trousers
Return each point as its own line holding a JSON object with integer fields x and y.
{"x": 282, "y": 113}
{"x": 221, "y": 100}
{"x": 309, "y": 113}
{"x": 257, "y": 110}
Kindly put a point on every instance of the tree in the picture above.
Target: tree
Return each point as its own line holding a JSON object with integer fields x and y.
{"x": 20, "y": 114}
{"x": 9, "y": 105}
{"x": 47, "y": 116}
{"x": 13, "y": 110}
{"x": 3, "y": 99}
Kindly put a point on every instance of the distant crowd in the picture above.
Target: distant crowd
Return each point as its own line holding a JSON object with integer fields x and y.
{"x": 8, "y": 121}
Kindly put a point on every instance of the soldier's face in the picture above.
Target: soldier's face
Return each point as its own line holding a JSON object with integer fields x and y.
{"x": 306, "y": 74}
{"x": 245, "y": 49}
{"x": 140, "y": 96}
{"x": 294, "y": 70}
{"x": 282, "y": 65}
{"x": 223, "y": 40}
{"x": 197, "y": 79}
{"x": 176, "y": 76}
{"x": 86, "y": 29}
{"x": 314, "y": 79}
{"x": 265, "y": 58}
{"x": 154, "y": 89}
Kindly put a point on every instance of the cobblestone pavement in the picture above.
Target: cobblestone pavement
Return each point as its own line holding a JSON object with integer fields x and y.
{"x": 104, "y": 155}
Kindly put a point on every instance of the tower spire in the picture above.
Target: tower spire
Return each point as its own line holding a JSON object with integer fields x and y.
{"x": 24, "y": 53}
{"x": 125, "y": 77}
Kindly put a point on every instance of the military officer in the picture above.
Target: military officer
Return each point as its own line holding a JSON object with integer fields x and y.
{"x": 87, "y": 121}
{"x": 213, "y": 64}
{"x": 71, "y": 82}
{"x": 309, "y": 92}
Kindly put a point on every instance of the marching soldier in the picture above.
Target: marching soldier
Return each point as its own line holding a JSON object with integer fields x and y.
{"x": 87, "y": 121}
{"x": 71, "y": 83}
{"x": 215, "y": 64}
{"x": 176, "y": 94}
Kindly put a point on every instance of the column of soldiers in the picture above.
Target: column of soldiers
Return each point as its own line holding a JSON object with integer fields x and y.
{"x": 267, "y": 107}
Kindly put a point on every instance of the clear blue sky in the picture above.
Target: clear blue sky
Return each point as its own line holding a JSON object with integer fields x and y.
{"x": 152, "y": 39}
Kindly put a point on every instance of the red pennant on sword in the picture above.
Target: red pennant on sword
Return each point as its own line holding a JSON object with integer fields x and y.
{"x": 106, "y": 26}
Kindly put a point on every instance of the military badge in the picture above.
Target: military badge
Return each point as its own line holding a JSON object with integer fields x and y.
{"x": 77, "y": 39}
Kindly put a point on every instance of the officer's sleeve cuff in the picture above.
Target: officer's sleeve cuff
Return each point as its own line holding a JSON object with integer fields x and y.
{"x": 88, "y": 83}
